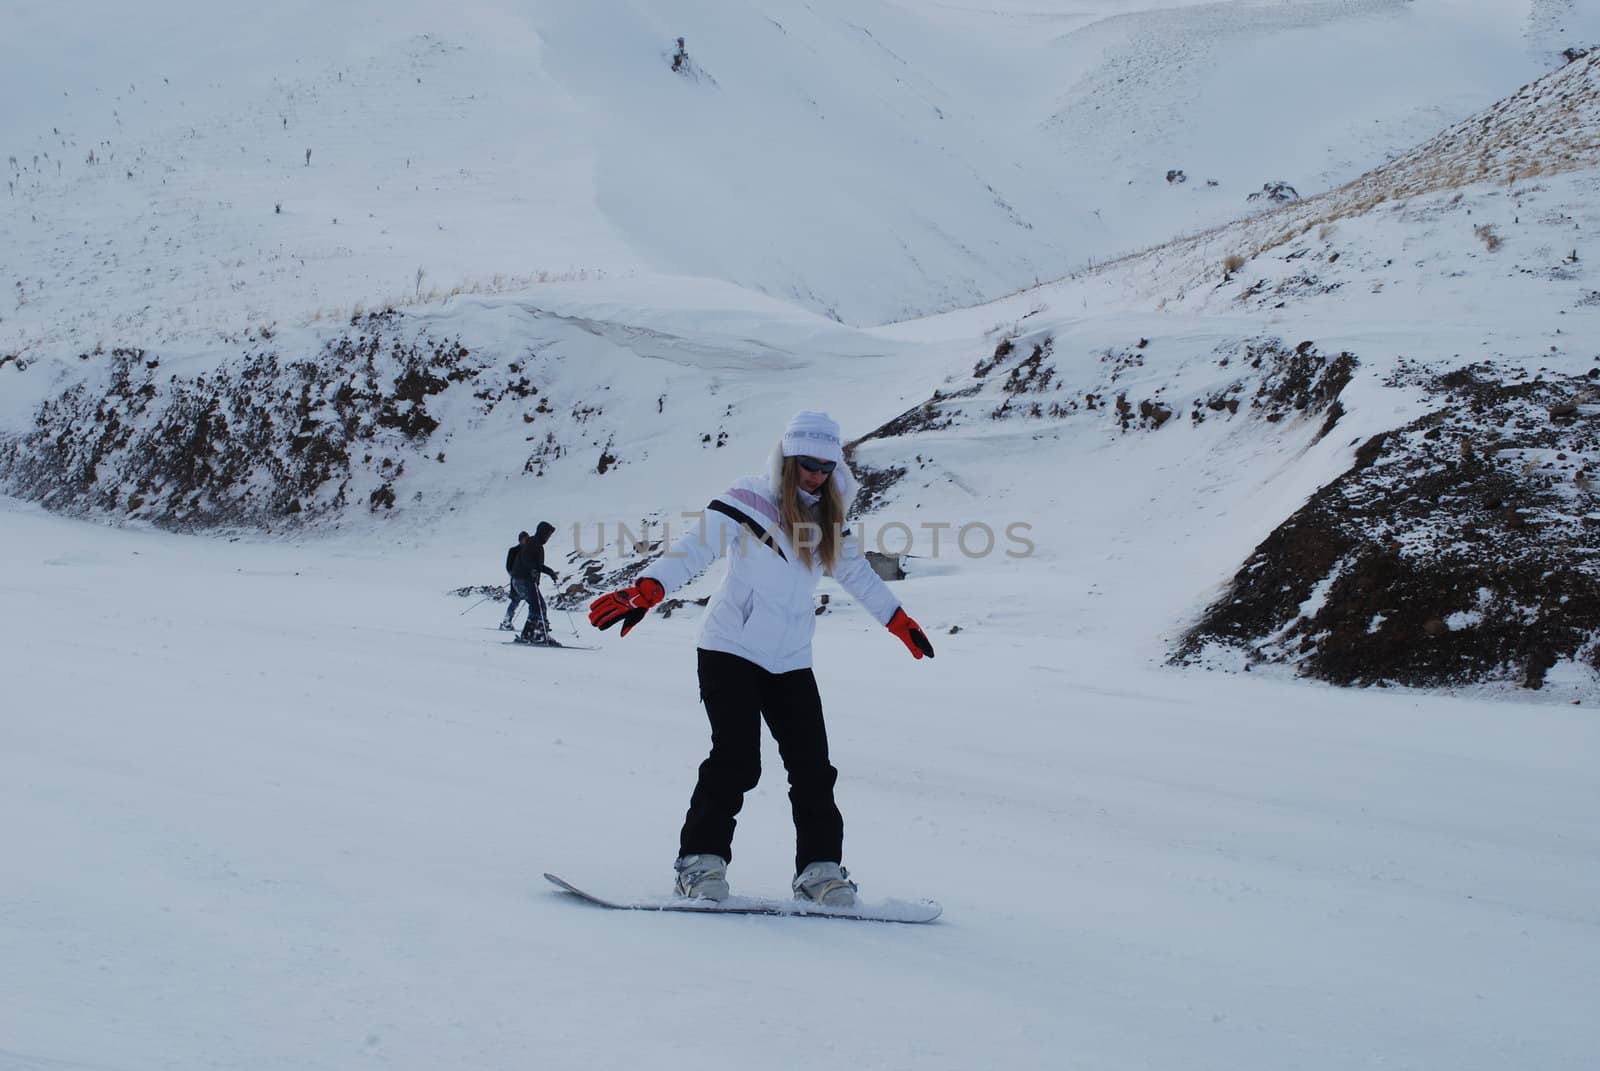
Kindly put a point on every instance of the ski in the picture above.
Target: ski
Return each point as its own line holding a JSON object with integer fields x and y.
{"x": 549, "y": 644}
{"x": 907, "y": 911}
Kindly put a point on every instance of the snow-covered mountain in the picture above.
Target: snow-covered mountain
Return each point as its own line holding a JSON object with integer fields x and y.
{"x": 346, "y": 295}
{"x": 1427, "y": 326}
{"x": 192, "y": 171}
{"x": 579, "y": 388}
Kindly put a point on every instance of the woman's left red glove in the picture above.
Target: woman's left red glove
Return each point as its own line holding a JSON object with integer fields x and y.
{"x": 629, "y": 605}
{"x": 910, "y": 634}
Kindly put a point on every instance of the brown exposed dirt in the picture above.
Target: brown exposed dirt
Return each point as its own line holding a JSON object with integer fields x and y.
{"x": 265, "y": 438}
{"x": 1461, "y": 548}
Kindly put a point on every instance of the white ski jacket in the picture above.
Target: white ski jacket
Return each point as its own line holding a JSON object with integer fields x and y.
{"x": 763, "y": 611}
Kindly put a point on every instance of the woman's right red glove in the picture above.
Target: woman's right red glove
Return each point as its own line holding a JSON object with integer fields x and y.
{"x": 629, "y": 605}
{"x": 910, "y": 634}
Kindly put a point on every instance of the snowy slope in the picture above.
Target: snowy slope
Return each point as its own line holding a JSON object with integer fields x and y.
{"x": 283, "y": 800}
{"x": 281, "y": 804}
{"x": 1266, "y": 356}
{"x": 865, "y": 160}
{"x": 566, "y": 398}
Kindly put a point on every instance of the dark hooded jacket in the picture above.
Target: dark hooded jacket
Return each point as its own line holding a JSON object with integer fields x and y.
{"x": 529, "y": 561}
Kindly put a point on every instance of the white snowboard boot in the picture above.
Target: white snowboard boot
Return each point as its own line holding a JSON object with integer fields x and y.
{"x": 702, "y": 877}
{"x": 828, "y": 884}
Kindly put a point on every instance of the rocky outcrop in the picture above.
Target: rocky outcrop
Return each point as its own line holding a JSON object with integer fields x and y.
{"x": 264, "y": 439}
{"x": 1461, "y": 548}
{"x": 1020, "y": 382}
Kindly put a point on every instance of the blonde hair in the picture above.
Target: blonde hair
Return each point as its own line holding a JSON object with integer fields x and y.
{"x": 815, "y": 532}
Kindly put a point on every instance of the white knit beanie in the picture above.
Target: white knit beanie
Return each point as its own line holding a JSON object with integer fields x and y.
{"x": 813, "y": 434}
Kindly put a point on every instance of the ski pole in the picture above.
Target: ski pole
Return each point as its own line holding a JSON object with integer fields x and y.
{"x": 475, "y": 605}
{"x": 568, "y": 612}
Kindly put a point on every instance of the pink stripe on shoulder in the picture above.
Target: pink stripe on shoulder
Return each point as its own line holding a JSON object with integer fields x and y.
{"x": 758, "y": 502}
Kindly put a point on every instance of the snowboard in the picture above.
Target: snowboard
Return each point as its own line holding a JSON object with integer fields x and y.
{"x": 910, "y": 911}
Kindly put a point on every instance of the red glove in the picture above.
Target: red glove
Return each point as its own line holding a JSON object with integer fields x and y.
{"x": 910, "y": 634}
{"x": 628, "y": 605}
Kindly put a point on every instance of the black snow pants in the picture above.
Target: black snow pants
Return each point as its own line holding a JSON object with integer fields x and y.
{"x": 737, "y": 694}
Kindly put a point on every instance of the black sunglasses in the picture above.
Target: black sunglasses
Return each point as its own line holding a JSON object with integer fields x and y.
{"x": 811, "y": 464}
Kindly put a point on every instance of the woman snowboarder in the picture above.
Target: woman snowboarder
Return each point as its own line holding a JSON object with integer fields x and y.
{"x": 782, "y": 532}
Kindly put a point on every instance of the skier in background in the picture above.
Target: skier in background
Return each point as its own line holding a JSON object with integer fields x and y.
{"x": 781, "y": 531}
{"x": 511, "y": 563}
{"x": 525, "y": 572}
